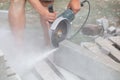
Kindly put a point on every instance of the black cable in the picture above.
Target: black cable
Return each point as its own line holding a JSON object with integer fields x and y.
{"x": 83, "y": 23}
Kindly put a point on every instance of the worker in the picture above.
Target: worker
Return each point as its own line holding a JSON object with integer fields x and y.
{"x": 17, "y": 15}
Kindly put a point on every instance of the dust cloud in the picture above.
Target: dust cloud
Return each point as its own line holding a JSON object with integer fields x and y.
{"x": 23, "y": 58}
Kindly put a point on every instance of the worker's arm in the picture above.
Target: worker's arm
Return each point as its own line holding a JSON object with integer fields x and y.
{"x": 42, "y": 10}
{"x": 74, "y": 5}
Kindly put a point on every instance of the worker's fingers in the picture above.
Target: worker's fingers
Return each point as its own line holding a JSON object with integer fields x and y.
{"x": 53, "y": 14}
{"x": 52, "y": 17}
{"x": 51, "y": 21}
{"x": 49, "y": 16}
{"x": 74, "y": 5}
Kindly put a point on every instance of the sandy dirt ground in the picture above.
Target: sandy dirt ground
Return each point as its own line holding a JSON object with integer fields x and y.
{"x": 109, "y": 9}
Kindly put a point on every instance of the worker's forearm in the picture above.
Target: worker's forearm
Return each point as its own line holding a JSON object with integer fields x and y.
{"x": 74, "y": 5}
{"x": 37, "y": 5}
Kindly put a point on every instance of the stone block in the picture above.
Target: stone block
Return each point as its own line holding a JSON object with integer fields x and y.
{"x": 111, "y": 30}
{"x": 103, "y": 22}
{"x": 45, "y": 71}
{"x": 109, "y": 45}
{"x": 91, "y": 30}
{"x": 86, "y": 64}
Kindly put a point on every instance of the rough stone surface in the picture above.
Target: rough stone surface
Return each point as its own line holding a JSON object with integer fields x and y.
{"x": 91, "y": 29}
{"x": 104, "y": 22}
{"x": 111, "y": 30}
{"x": 109, "y": 45}
{"x": 86, "y": 64}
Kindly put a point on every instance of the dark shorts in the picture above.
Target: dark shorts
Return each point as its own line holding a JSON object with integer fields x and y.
{"x": 46, "y": 2}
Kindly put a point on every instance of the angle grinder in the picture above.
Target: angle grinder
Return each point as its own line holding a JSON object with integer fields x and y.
{"x": 61, "y": 26}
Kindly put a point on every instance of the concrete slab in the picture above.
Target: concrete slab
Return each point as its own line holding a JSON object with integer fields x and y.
{"x": 102, "y": 56}
{"x": 45, "y": 71}
{"x": 84, "y": 63}
{"x": 68, "y": 75}
{"x": 115, "y": 40}
{"x": 108, "y": 44}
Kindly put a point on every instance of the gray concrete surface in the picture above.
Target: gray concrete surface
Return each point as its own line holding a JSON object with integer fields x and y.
{"x": 86, "y": 64}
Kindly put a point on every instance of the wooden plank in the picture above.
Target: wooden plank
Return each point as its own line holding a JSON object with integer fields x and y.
{"x": 109, "y": 45}
{"x": 115, "y": 40}
{"x": 101, "y": 57}
{"x": 45, "y": 71}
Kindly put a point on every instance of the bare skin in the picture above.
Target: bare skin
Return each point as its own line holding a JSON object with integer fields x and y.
{"x": 74, "y": 5}
{"x": 17, "y": 16}
{"x": 45, "y": 17}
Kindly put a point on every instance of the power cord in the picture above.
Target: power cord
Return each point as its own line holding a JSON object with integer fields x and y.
{"x": 82, "y": 4}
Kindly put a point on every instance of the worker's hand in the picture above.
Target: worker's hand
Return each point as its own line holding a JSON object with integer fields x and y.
{"x": 74, "y": 5}
{"x": 48, "y": 16}
{"x": 43, "y": 11}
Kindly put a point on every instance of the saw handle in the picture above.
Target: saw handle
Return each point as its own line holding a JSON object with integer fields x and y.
{"x": 50, "y": 9}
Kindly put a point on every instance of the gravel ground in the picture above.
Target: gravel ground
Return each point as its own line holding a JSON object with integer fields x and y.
{"x": 105, "y": 8}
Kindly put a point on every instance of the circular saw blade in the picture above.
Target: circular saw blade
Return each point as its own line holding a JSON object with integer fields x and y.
{"x": 58, "y": 31}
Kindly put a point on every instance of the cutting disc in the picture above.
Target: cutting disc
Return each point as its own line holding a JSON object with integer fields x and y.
{"x": 58, "y": 31}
